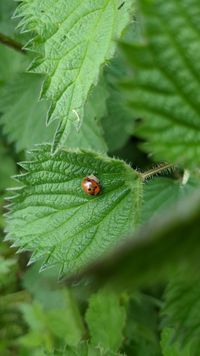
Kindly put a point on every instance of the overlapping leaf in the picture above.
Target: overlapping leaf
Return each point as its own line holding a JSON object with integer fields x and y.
{"x": 141, "y": 330}
{"x": 7, "y": 25}
{"x": 118, "y": 123}
{"x": 154, "y": 252}
{"x": 23, "y": 116}
{"x": 61, "y": 322}
{"x": 52, "y": 216}
{"x": 6, "y": 266}
{"x": 83, "y": 349}
{"x": 181, "y": 309}
{"x": 162, "y": 194}
{"x": 11, "y": 62}
{"x": 74, "y": 39}
{"x": 7, "y": 168}
{"x": 171, "y": 348}
{"x": 106, "y": 320}
{"x": 91, "y": 134}
{"x": 164, "y": 91}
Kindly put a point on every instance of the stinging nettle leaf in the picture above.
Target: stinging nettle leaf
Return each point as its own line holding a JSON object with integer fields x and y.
{"x": 6, "y": 266}
{"x": 141, "y": 331}
{"x": 23, "y": 116}
{"x": 7, "y": 25}
{"x": 162, "y": 193}
{"x": 83, "y": 349}
{"x": 118, "y": 122}
{"x": 53, "y": 217}
{"x": 91, "y": 134}
{"x": 181, "y": 309}
{"x": 171, "y": 348}
{"x": 73, "y": 40}
{"x": 7, "y": 168}
{"x": 61, "y": 321}
{"x": 15, "y": 62}
{"x": 164, "y": 91}
{"x": 106, "y": 318}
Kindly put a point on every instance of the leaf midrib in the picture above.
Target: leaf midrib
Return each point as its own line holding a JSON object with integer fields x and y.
{"x": 78, "y": 74}
{"x": 95, "y": 198}
{"x": 111, "y": 208}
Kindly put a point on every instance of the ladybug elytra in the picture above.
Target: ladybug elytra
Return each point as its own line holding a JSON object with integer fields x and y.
{"x": 91, "y": 185}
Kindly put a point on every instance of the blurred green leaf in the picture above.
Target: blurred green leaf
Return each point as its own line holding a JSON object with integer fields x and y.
{"x": 181, "y": 309}
{"x": 154, "y": 251}
{"x": 44, "y": 287}
{"x": 162, "y": 194}
{"x": 84, "y": 349}
{"x": 24, "y": 116}
{"x": 7, "y": 23}
{"x": 11, "y": 62}
{"x": 91, "y": 135}
{"x": 106, "y": 320}
{"x": 6, "y": 269}
{"x": 118, "y": 123}
{"x": 142, "y": 326}
{"x": 164, "y": 88}
{"x": 7, "y": 168}
{"x": 171, "y": 348}
{"x": 57, "y": 325}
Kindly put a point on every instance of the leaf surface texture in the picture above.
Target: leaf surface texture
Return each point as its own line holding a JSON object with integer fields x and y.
{"x": 73, "y": 40}
{"x": 52, "y": 216}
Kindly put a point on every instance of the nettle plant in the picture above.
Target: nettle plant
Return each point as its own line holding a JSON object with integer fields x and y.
{"x": 115, "y": 79}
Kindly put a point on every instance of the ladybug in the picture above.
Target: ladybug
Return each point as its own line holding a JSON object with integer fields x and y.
{"x": 91, "y": 185}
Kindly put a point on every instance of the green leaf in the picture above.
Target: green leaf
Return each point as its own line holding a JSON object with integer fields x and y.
{"x": 11, "y": 62}
{"x": 162, "y": 194}
{"x": 170, "y": 348}
{"x": 43, "y": 287}
{"x": 59, "y": 303}
{"x": 6, "y": 266}
{"x": 23, "y": 116}
{"x": 7, "y": 168}
{"x": 118, "y": 123}
{"x": 60, "y": 323}
{"x": 83, "y": 349}
{"x": 154, "y": 252}
{"x": 74, "y": 39}
{"x": 181, "y": 308}
{"x": 164, "y": 91}
{"x": 52, "y": 216}
{"x": 91, "y": 135}
{"x": 106, "y": 320}
{"x": 19, "y": 100}
{"x": 7, "y": 25}
{"x": 142, "y": 326}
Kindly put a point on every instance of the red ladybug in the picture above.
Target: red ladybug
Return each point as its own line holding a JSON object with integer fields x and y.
{"x": 91, "y": 185}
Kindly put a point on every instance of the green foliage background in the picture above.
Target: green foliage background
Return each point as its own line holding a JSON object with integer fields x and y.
{"x": 110, "y": 88}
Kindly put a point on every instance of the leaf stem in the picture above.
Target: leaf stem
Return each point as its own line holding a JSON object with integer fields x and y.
{"x": 11, "y": 43}
{"x": 156, "y": 170}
